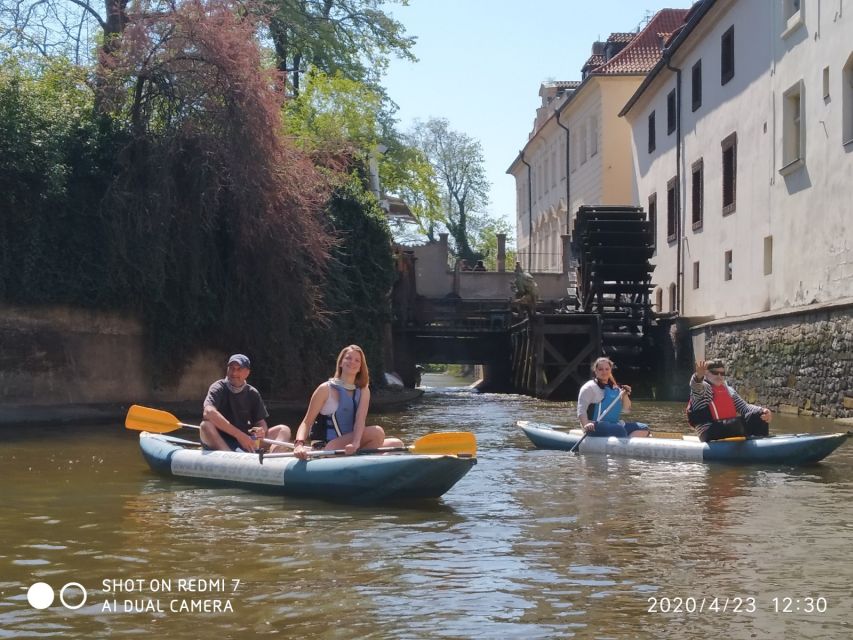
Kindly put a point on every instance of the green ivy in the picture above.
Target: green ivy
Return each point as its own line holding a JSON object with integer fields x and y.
{"x": 92, "y": 220}
{"x": 361, "y": 274}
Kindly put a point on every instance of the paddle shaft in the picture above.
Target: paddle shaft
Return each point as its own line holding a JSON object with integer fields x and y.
{"x": 341, "y": 452}
{"x": 265, "y": 440}
{"x": 575, "y": 449}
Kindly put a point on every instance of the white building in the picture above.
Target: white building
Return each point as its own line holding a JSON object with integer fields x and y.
{"x": 554, "y": 177}
{"x": 742, "y": 139}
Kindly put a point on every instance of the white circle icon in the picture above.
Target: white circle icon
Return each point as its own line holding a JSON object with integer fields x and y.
{"x": 62, "y": 595}
{"x": 40, "y": 595}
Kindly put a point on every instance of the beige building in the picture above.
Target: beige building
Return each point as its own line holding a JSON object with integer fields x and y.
{"x": 579, "y": 149}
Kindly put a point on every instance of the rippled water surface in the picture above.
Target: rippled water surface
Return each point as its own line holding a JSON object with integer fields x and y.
{"x": 533, "y": 544}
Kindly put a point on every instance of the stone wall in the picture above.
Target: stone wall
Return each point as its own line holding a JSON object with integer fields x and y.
{"x": 796, "y": 362}
{"x": 59, "y": 355}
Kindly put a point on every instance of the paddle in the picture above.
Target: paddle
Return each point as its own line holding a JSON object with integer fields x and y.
{"x": 575, "y": 449}
{"x": 449, "y": 443}
{"x": 141, "y": 418}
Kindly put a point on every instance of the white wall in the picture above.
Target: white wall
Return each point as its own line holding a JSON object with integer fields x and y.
{"x": 807, "y": 212}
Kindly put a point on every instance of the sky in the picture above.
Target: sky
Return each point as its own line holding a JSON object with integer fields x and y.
{"x": 481, "y": 63}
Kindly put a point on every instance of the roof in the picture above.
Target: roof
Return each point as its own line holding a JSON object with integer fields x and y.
{"x": 644, "y": 51}
{"x": 397, "y": 209}
{"x": 676, "y": 39}
{"x": 639, "y": 56}
{"x": 562, "y": 84}
{"x": 621, "y": 36}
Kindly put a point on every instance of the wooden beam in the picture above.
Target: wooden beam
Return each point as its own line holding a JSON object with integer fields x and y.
{"x": 569, "y": 369}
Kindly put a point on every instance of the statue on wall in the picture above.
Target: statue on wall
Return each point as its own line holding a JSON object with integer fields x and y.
{"x": 525, "y": 289}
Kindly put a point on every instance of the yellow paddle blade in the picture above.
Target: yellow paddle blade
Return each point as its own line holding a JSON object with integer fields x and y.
{"x": 451, "y": 443}
{"x": 153, "y": 420}
{"x": 672, "y": 435}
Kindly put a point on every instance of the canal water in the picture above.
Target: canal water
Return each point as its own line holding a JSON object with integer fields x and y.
{"x": 530, "y": 544}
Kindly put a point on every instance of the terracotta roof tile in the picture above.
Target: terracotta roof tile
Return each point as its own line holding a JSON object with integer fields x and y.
{"x": 621, "y": 37}
{"x": 595, "y": 60}
{"x": 643, "y": 52}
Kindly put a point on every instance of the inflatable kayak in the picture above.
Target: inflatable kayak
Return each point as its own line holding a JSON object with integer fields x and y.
{"x": 357, "y": 478}
{"x": 794, "y": 449}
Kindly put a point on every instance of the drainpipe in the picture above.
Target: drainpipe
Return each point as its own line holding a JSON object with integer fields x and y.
{"x": 529, "y": 212}
{"x": 568, "y": 167}
{"x": 679, "y": 222}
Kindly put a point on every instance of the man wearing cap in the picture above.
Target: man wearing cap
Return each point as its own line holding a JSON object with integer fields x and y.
{"x": 716, "y": 410}
{"x": 233, "y": 407}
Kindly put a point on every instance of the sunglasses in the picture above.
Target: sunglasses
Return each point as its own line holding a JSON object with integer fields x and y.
{"x": 717, "y": 372}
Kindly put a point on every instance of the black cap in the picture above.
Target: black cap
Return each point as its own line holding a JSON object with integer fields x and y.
{"x": 240, "y": 359}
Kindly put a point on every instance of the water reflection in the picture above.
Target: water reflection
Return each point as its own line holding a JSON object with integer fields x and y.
{"x": 534, "y": 544}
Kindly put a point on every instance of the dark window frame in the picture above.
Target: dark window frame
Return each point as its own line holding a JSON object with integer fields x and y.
{"x": 696, "y": 274}
{"x": 672, "y": 209}
{"x": 653, "y": 218}
{"x": 729, "y": 173}
{"x": 697, "y": 194}
{"x": 727, "y": 55}
{"x": 671, "y": 116}
{"x": 651, "y": 132}
{"x": 696, "y": 87}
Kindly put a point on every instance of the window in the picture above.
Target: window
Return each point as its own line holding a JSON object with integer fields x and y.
{"x": 792, "y": 11}
{"x": 556, "y": 168}
{"x": 727, "y": 266}
{"x": 727, "y": 56}
{"x": 696, "y": 275}
{"x": 696, "y": 86}
{"x": 791, "y": 8}
{"x": 582, "y": 142}
{"x": 697, "y": 193}
{"x": 651, "y": 132}
{"x": 729, "y": 146}
{"x": 671, "y": 209}
{"x": 793, "y": 133}
{"x": 826, "y": 83}
{"x": 593, "y": 136}
{"x": 768, "y": 255}
{"x": 573, "y": 146}
{"x": 658, "y": 300}
{"x": 671, "y": 113}
{"x": 847, "y": 101}
{"x": 672, "y": 296}
{"x": 653, "y": 218}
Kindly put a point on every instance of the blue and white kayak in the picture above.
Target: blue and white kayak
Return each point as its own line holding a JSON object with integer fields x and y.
{"x": 358, "y": 478}
{"x": 793, "y": 449}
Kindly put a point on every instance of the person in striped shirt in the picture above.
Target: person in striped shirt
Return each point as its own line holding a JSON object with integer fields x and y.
{"x": 715, "y": 409}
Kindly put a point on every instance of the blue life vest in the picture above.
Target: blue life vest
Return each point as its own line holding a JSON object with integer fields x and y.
{"x": 342, "y": 421}
{"x": 611, "y": 393}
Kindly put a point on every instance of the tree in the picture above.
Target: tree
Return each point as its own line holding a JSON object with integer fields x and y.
{"x": 336, "y": 117}
{"x": 457, "y": 160}
{"x": 64, "y": 28}
{"x": 485, "y": 240}
{"x": 216, "y": 218}
{"x": 353, "y": 38}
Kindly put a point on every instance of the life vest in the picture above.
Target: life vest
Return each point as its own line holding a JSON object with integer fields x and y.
{"x": 342, "y": 421}
{"x": 721, "y": 407}
{"x": 611, "y": 394}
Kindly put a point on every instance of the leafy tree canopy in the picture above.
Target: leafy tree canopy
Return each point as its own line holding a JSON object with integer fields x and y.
{"x": 458, "y": 163}
{"x": 353, "y": 38}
